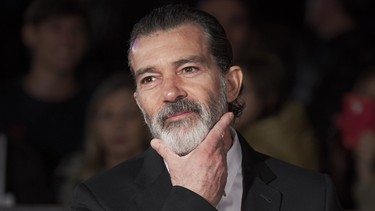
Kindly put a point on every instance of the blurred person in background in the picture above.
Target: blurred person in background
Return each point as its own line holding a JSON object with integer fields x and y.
{"x": 356, "y": 134}
{"x": 339, "y": 50}
{"x": 115, "y": 132}
{"x": 336, "y": 45}
{"x": 42, "y": 114}
{"x": 271, "y": 122}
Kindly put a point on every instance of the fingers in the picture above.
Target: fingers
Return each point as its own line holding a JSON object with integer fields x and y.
{"x": 228, "y": 141}
{"x": 217, "y": 133}
{"x": 162, "y": 149}
{"x": 159, "y": 146}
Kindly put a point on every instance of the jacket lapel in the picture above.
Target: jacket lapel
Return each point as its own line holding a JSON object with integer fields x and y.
{"x": 154, "y": 182}
{"x": 258, "y": 195}
{"x": 262, "y": 197}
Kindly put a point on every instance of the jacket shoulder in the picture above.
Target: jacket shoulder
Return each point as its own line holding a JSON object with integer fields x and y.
{"x": 126, "y": 172}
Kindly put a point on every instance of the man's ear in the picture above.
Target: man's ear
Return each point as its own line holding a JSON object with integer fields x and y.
{"x": 28, "y": 34}
{"x": 234, "y": 83}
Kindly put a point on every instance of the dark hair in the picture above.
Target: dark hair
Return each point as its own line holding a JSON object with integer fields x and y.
{"x": 268, "y": 78}
{"x": 40, "y": 10}
{"x": 174, "y": 15}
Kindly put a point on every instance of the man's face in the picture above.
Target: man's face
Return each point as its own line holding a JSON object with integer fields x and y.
{"x": 179, "y": 86}
{"x": 58, "y": 42}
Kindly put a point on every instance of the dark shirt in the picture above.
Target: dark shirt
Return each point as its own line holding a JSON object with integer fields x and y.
{"x": 40, "y": 134}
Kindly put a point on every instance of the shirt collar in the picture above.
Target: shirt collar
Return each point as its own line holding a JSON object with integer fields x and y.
{"x": 234, "y": 160}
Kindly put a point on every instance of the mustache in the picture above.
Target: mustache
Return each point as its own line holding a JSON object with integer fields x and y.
{"x": 182, "y": 105}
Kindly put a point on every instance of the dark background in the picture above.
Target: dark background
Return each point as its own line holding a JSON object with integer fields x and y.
{"x": 110, "y": 31}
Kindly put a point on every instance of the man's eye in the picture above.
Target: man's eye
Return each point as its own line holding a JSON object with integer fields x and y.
{"x": 147, "y": 80}
{"x": 190, "y": 69}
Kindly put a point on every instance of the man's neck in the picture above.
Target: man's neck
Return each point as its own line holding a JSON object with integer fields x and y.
{"x": 50, "y": 86}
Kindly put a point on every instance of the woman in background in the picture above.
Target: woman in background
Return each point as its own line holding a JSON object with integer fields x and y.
{"x": 115, "y": 132}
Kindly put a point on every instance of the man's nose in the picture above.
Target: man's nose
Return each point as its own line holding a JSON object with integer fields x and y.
{"x": 173, "y": 89}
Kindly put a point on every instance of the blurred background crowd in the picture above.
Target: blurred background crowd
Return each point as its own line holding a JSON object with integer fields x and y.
{"x": 66, "y": 94}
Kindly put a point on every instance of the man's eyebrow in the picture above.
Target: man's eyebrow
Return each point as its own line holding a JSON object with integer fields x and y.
{"x": 191, "y": 59}
{"x": 143, "y": 71}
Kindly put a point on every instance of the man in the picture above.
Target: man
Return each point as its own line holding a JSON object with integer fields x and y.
{"x": 187, "y": 89}
{"x": 42, "y": 114}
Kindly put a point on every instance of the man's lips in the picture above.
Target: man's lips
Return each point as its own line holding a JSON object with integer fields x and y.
{"x": 178, "y": 116}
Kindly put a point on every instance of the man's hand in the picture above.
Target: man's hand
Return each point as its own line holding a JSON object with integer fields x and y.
{"x": 204, "y": 170}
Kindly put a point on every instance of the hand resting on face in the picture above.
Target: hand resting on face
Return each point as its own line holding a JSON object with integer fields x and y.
{"x": 204, "y": 170}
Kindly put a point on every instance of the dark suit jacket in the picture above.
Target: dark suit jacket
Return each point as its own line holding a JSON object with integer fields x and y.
{"x": 143, "y": 183}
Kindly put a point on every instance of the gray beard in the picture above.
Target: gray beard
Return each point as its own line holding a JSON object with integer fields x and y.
{"x": 183, "y": 136}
